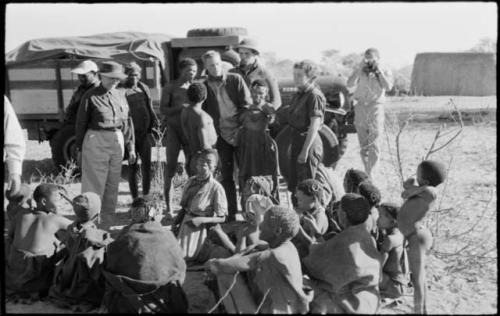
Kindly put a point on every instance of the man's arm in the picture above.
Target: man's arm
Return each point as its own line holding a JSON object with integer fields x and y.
{"x": 312, "y": 133}
{"x": 236, "y": 263}
{"x": 82, "y": 121}
{"x": 166, "y": 108}
{"x": 14, "y": 146}
{"x": 154, "y": 119}
{"x": 274, "y": 90}
{"x": 384, "y": 78}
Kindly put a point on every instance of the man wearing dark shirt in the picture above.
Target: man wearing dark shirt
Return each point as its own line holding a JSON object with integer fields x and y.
{"x": 103, "y": 129}
{"x": 87, "y": 75}
{"x": 227, "y": 98}
{"x": 144, "y": 118}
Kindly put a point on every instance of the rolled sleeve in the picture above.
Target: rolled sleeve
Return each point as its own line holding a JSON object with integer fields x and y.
{"x": 316, "y": 106}
{"x": 14, "y": 142}
{"x": 220, "y": 201}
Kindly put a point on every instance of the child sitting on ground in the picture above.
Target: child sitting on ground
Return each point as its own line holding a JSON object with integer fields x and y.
{"x": 257, "y": 199}
{"x": 345, "y": 270}
{"x": 34, "y": 248}
{"x": 391, "y": 247}
{"x": 275, "y": 277}
{"x": 418, "y": 201}
{"x": 352, "y": 180}
{"x": 204, "y": 203}
{"x": 77, "y": 278}
{"x": 313, "y": 220}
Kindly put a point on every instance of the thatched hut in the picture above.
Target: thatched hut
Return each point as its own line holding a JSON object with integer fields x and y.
{"x": 467, "y": 74}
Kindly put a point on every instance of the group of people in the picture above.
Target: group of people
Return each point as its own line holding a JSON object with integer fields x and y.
{"x": 336, "y": 249}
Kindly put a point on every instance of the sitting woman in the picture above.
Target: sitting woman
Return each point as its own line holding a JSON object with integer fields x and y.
{"x": 203, "y": 204}
{"x": 257, "y": 199}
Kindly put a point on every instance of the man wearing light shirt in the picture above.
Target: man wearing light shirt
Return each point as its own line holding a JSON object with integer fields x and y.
{"x": 371, "y": 84}
{"x": 14, "y": 147}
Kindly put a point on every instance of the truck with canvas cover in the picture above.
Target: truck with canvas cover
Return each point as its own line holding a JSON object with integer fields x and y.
{"x": 39, "y": 82}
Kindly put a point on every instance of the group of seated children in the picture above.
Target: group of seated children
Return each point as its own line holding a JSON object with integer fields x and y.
{"x": 326, "y": 256}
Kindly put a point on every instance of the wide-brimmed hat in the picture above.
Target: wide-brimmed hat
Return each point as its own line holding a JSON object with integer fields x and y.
{"x": 85, "y": 67}
{"x": 249, "y": 43}
{"x": 112, "y": 69}
{"x": 231, "y": 57}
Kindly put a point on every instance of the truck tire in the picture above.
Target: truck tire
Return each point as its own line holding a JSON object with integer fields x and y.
{"x": 63, "y": 146}
{"x": 217, "y": 31}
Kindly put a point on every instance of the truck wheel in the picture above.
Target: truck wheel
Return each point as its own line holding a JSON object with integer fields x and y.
{"x": 63, "y": 146}
{"x": 217, "y": 31}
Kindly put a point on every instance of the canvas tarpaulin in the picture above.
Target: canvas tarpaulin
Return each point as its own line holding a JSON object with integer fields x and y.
{"x": 120, "y": 46}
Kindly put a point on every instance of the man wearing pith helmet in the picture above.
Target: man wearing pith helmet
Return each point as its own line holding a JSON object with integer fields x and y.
{"x": 251, "y": 68}
{"x": 87, "y": 75}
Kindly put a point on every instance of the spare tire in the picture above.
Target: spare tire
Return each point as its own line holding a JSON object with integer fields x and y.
{"x": 330, "y": 148}
{"x": 217, "y": 31}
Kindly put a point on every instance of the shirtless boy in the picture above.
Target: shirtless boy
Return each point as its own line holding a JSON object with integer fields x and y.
{"x": 418, "y": 201}
{"x": 33, "y": 244}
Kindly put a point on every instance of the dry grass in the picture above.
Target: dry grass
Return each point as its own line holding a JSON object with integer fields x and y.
{"x": 462, "y": 270}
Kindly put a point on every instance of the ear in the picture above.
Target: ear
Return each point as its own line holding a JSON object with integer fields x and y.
{"x": 43, "y": 201}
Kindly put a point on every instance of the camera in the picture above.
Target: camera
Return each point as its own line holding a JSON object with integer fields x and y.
{"x": 370, "y": 66}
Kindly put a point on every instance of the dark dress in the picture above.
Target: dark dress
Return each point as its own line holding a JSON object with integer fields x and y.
{"x": 257, "y": 151}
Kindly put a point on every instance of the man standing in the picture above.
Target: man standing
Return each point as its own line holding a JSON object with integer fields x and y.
{"x": 144, "y": 118}
{"x": 14, "y": 147}
{"x": 87, "y": 75}
{"x": 228, "y": 96}
{"x": 372, "y": 82}
{"x": 251, "y": 69}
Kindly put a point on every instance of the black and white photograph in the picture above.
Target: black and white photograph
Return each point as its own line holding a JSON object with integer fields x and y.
{"x": 245, "y": 158}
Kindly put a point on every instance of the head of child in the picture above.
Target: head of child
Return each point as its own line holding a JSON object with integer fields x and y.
{"x": 47, "y": 197}
{"x": 309, "y": 193}
{"x": 280, "y": 224}
{"x": 372, "y": 194}
{"x": 352, "y": 179}
{"x": 144, "y": 210}
{"x": 255, "y": 185}
{"x": 431, "y": 173}
{"x": 354, "y": 210}
{"x": 87, "y": 207}
{"x": 388, "y": 214}
{"x": 206, "y": 163}
{"x": 259, "y": 91}
{"x": 196, "y": 93}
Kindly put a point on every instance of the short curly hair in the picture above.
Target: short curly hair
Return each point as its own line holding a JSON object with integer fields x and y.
{"x": 186, "y": 62}
{"x": 352, "y": 179}
{"x": 370, "y": 192}
{"x": 310, "y": 68}
{"x": 355, "y": 207}
{"x": 434, "y": 172}
{"x": 197, "y": 92}
{"x": 208, "y": 152}
{"x": 44, "y": 190}
{"x": 391, "y": 208}
{"x": 259, "y": 83}
{"x": 285, "y": 218}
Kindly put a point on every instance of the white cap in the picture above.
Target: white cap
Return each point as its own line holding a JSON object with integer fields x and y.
{"x": 85, "y": 67}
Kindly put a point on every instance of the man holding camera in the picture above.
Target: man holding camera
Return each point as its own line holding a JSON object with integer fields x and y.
{"x": 371, "y": 83}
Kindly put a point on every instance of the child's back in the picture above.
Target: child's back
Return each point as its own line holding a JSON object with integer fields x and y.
{"x": 418, "y": 203}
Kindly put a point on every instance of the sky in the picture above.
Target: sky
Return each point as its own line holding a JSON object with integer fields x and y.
{"x": 291, "y": 30}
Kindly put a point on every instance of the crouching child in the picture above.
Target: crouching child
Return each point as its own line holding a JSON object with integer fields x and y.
{"x": 273, "y": 276}
{"x": 78, "y": 280}
{"x": 144, "y": 267}
{"x": 34, "y": 248}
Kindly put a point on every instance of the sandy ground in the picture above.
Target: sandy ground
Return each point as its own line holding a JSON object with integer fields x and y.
{"x": 458, "y": 283}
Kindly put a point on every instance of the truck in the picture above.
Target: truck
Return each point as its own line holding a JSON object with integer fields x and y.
{"x": 39, "y": 82}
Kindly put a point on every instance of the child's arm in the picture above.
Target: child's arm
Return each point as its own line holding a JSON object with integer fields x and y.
{"x": 234, "y": 263}
{"x": 197, "y": 221}
{"x": 224, "y": 238}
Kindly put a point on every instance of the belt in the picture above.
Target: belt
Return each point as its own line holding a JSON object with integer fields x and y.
{"x": 105, "y": 129}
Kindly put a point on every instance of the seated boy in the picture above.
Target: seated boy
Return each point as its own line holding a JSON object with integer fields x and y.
{"x": 418, "y": 201}
{"x": 274, "y": 275}
{"x": 313, "y": 220}
{"x": 352, "y": 180}
{"x": 34, "y": 248}
{"x": 144, "y": 266}
{"x": 391, "y": 247}
{"x": 197, "y": 125}
{"x": 345, "y": 270}
{"x": 372, "y": 194}
{"x": 77, "y": 278}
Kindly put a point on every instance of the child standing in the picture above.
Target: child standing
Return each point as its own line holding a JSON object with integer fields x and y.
{"x": 313, "y": 220}
{"x": 203, "y": 202}
{"x": 77, "y": 277}
{"x": 33, "y": 245}
{"x": 257, "y": 151}
{"x": 197, "y": 125}
{"x": 391, "y": 246}
{"x": 418, "y": 201}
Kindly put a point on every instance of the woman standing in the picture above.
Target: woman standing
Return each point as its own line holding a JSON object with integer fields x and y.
{"x": 103, "y": 129}
{"x": 306, "y": 114}
{"x": 173, "y": 101}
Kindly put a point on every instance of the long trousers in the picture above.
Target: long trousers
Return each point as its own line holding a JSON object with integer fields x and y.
{"x": 102, "y": 156}
{"x": 143, "y": 144}
{"x": 227, "y": 154}
{"x": 369, "y": 123}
